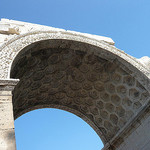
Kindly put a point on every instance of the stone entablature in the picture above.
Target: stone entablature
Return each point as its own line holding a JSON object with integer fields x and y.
{"x": 78, "y": 72}
{"x": 11, "y": 28}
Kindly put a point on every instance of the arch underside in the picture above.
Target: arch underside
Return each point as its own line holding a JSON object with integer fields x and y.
{"x": 99, "y": 90}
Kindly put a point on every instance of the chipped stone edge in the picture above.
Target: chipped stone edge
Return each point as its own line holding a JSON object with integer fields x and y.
{"x": 83, "y": 38}
{"x": 61, "y": 35}
{"x": 9, "y": 24}
{"x": 9, "y": 82}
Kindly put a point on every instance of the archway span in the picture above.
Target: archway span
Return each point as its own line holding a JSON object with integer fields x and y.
{"x": 54, "y": 129}
{"x": 67, "y": 109}
{"x": 86, "y": 80}
{"x": 9, "y": 51}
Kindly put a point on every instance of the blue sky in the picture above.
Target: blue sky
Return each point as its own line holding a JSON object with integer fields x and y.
{"x": 53, "y": 129}
{"x": 127, "y": 22}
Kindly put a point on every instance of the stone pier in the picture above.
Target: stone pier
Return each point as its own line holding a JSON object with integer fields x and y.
{"x": 7, "y": 131}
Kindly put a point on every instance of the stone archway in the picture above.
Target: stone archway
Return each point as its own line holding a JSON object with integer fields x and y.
{"x": 92, "y": 79}
{"x": 96, "y": 89}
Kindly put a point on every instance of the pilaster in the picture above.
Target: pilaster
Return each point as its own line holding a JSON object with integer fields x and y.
{"x": 7, "y": 132}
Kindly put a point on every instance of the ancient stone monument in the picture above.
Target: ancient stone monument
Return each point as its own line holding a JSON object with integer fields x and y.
{"x": 84, "y": 74}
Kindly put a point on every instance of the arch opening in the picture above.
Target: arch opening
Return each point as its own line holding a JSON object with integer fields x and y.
{"x": 55, "y": 129}
{"x": 70, "y": 76}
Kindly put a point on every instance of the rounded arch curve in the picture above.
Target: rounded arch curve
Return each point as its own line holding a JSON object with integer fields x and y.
{"x": 91, "y": 81}
{"x": 9, "y": 51}
{"x": 71, "y": 110}
{"x": 108, "y": 97}
{"x": 54, "y": 117}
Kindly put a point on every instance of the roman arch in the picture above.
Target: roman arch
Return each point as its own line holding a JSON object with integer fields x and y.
{"x": 84, "y": 74}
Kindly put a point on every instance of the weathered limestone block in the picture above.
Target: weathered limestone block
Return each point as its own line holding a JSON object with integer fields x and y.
{"x": 139, "y": 137}
{"x": 11, "y": 28}
{"x": 7, "y": 133}
{"x": 145, "y": 61}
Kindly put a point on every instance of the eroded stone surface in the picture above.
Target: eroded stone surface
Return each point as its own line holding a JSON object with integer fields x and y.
{"x": 7, "y": 133}
{"x": 102, "y": 91}
{"x": 145, "y": 61}
{"x": 11, "y": 28}
{"x": 81, "y": 73}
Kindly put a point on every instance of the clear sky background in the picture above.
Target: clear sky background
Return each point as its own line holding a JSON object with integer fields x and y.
{"x": 127, "y": 22}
